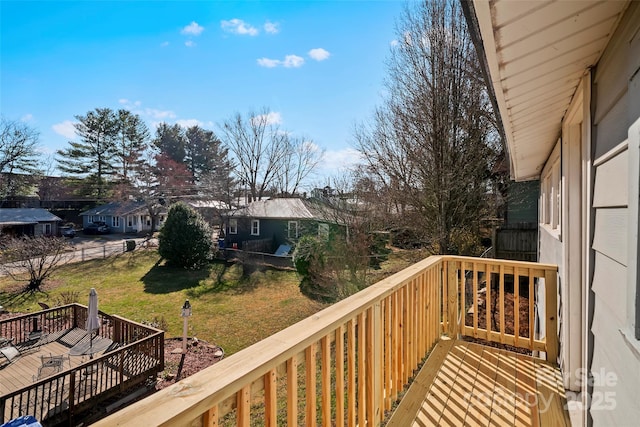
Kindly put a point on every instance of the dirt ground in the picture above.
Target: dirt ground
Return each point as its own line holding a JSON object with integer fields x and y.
{"x": 200, "y": 355}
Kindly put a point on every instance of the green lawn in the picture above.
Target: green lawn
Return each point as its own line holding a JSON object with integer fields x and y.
{"x": 227, "y": 310}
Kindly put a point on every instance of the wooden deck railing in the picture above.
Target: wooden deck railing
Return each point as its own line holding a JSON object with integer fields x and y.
{"x": 136, "y": 354}
{"x": 349, "y": 363}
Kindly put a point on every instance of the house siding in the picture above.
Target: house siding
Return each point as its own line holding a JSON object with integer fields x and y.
{"x": 614, "y": 402}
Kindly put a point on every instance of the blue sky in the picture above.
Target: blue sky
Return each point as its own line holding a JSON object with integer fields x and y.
{"x": 318, "y": 65}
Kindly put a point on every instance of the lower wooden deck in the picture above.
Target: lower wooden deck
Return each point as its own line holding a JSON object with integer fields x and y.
{"x": 464, "y": 383}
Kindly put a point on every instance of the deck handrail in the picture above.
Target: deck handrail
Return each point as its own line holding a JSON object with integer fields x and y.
{"x": 354, "y": 358}
{"x": 137, "y": 353}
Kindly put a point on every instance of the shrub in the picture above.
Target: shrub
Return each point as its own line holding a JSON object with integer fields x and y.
{"x": 310, "y": 258}
{"x": 185, "y": 239}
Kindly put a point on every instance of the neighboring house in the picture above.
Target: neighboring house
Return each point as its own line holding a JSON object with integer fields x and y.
{"x": 211, "y": 210}
{"x": 565, "y": 77}
{"x": 264, "y": 225}
{"x": 28, "y": 221}
{"x": 123, "y": 217}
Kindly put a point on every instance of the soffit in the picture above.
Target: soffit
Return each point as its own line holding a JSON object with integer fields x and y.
{"x": 537, "y": 53}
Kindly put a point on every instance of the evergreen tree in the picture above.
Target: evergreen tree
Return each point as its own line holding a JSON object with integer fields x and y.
{"x": 132, "y": 135}
{"x": 93, "y": 156}
{"x": 185, "y": 239}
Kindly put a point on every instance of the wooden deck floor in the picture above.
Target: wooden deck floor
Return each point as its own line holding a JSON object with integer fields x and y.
{"x": 464, "y": 383}
{"x": 23, "y": 371}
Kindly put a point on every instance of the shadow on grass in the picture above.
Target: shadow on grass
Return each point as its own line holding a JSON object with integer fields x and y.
{"x": 161, "y": 279}
{"x": 18, "y": 295}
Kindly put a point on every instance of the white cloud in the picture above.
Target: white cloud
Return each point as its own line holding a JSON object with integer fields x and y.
{"x": 187, "y": 123}
{"x": 271, "y": 118}
{"x": 164, "y": 44}
{"x": 65, "y": 129}
{"x": 238, "y": 26}
{"x": 271, "y": 27}
{"x": 394, "y": 43}
{"x": 159, "y": 114}
{"x": 193, "y": 29}
{"x": 26, "y": 118}
{"x": 319, "y": 54}
{"x": 189, "y": 43}
{"x": 339, "y": 160}
{"x": 290, "y": 61}
{"x": 293, "y": 61}
{"x": 268, "y": 63}
{"x": 128, "y": 104}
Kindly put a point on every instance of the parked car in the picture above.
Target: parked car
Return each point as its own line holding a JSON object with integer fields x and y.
{"x": 67, "y": 231}
{"x": 96, "y": 228}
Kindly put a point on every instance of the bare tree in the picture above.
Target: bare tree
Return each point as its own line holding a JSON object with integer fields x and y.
{"x": 18, "y": 153}
{"x": 303, "y": 156}
{"x": 32, "y": 259}
{"x": 432, "y": 141}
{"x": 266, "y": 155}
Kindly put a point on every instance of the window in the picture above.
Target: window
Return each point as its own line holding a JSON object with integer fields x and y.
{"x": 255, "y": 227}
{"x": 293, "y": 229}
{"x": 130, "y": 221}
{"x": 551, "y": 194}
{"x": 233, "y": 226}
{"x": 46, "y": 228}
{"x": 148, "y": 221}
{"x": 323, "y": 231}
{"x": 115, "y": 221}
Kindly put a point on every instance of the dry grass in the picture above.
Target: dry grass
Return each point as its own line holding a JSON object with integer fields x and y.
{"x": 228, "y": 310}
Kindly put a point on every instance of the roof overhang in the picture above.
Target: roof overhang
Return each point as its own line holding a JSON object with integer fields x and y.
{"x": 536, "y": 55}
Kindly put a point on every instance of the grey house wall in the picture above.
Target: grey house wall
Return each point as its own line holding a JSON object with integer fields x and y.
{"x": 276, "y": 230}
{"x": 615, "y": 107}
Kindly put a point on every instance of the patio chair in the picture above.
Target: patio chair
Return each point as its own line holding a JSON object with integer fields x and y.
{"x": 9, "y": 354}
{"x": 55, "y": 363}
{"x": 35, "y": 337}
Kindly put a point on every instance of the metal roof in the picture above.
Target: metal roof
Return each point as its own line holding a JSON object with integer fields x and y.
{"x": 286, "y": 208}
{"x": 19, "y": 216}
{"x": 536, "y": 53}
{"x": 115, "y": 209}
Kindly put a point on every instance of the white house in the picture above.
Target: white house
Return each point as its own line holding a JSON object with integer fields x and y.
{"x": 565, "y": 76}
{"x": 126, "y": 217}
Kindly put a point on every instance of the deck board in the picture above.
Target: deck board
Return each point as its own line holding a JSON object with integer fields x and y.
{"x": 23, "y": 371}
{"x": 474, "y": 385}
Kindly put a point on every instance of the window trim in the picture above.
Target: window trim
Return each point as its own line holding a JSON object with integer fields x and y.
{"x": 256, "y": 223}
{"x": 289, "y": 229}
{"x": 551, "y": 194}
{"x": 323, "y": 230}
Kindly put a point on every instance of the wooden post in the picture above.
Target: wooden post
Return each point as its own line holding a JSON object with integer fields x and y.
{"x": 551, "y": 312}
{"x": 292, "y": 391}
{"x": 376, "y": 372}
{"x": 210, "y": 418}
{"x": 270, "y": 398}
{"x": 452, "y": 297}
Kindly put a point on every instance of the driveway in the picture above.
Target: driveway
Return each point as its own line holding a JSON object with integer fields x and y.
{"x": 84, "y": 248}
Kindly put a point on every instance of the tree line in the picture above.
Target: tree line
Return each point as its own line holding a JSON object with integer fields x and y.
{"x": 429, "y": 151}
{"x": 115, "y": 157}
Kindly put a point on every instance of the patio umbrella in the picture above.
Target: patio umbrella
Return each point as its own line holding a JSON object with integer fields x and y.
{"x": 93, "y": 320}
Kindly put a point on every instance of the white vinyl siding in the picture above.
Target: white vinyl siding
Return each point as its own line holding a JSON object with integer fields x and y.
{"x": 615, "y": 232}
